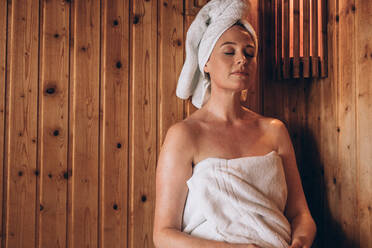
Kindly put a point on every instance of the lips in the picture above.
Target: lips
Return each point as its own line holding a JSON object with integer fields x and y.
{"x": 240, "y": 73}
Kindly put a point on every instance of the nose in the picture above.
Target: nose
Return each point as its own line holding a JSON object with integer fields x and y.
{"x": 242, "y": 59}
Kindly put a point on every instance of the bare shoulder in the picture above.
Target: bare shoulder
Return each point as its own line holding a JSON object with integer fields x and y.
{"x": 281, "y": 137}
{"x": 179, "y": 143}
{"x": 276, "y": 130}
{"x": 275, "y": 125}
{"x": 181, "y": 134}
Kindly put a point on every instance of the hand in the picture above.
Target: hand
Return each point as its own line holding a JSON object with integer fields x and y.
{"x": 298, "y": 243}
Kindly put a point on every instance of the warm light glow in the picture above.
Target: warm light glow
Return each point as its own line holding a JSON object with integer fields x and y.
{"x": 291, "y": 28}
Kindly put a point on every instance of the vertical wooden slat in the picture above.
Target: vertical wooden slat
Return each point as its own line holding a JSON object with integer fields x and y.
{"x": 171, "y": 49}
{"x": 21, "y": 116}
{"x": 286, "y": 41}
{"x": 84, "y": 125}
{"x": 347, "y": 174}
{"x": 269, "y": 8}
{"x": 314, "y": 34}
{"x": 296, "y": 39}
{"x": 114, "y": 123}
{"x": 143, "y": 118}
{"x": 363, "y": 63}
{"x": 324, "y": 62}
{"x": 306, "y": 39}
{"x": 53, "y": 130}
{"x": 3, "y": 39}
{"x": 329, "y": 133}
{"x": 279, "y": 39}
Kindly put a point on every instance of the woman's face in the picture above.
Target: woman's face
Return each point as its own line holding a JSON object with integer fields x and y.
{"x": 234, "y": 52}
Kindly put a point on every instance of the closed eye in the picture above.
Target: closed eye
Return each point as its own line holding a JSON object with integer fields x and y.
{"x": 249, "y": 55}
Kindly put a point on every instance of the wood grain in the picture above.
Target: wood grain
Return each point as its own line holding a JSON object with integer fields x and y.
{"x": 171, "y": 48}
{"x": 286, "y": 41}
{"x": 21, "y": 123}
{"x": 84, "y": 125}
{"x": 3, "y": 67}
{"x": 89, "y": 93}
{"x": 53, "y": 120}
{"x": 143, "y": 125}
{"x": 324, "y": 50}
{"x": 114, "y": 123}
{"x": 296, "y": 39}
{"x": 306, "y": 39}
{"x": 314, "y": 38}
{"x": 279, "y": 39}
{"x": 363, "y": 93}
{"x": 347, "y": 174}
{"x": 330, "y": 234}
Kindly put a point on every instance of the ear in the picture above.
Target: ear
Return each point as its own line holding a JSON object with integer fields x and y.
{"x": 206, "y": 69}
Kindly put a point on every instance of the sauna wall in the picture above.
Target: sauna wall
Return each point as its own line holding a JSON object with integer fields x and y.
{"x": 329, "y": 120}
{"x": 81, "y": 109}
{"x": 87, "y": 94}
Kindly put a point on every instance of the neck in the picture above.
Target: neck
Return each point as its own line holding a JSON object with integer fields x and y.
{"x": 225, "y": 106}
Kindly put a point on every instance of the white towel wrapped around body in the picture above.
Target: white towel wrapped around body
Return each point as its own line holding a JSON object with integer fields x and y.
{"x": 239, "y": 200}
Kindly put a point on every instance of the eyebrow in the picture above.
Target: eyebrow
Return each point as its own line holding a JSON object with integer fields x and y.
{"x": 230, "y": 42}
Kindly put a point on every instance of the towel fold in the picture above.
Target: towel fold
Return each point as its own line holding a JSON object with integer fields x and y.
{"x": 209, "y": 24}
{"x": 239, "y": 201}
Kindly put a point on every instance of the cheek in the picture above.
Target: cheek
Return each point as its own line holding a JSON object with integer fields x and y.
{"x": 223, "y": 64}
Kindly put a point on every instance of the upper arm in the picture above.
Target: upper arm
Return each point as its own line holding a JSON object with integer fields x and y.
{"x": 174, "y": 168}
{"x": 296, "y": 201}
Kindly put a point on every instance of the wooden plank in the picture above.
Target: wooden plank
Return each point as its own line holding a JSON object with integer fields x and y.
{"x": 83, "y": 197}
{"x": 115, "y": 124}
{"x": 3, "y": 66}
{"x": 346, "y": 179}
{"x": 306, "y": 39}
{"x": 329, "y": 135}
{"x": 363, "y": 49}
{"x": 324, "y": 62}
{"x": 21, "y": 123}
{"x": 279, "y": 39}
{"x": 314, "y": 37}
{"x": 53, "y": 119}
{"x": 271, "y": 86}
{"x": 269, "y": 8}
{"x": 143, "y": 118}
{"x": 296, "y": 39}
{"x": 171, "y": 49}
{"x": 286, "y": 41}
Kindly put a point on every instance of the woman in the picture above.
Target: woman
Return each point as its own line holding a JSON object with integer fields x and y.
{"x": 223, "y": 131}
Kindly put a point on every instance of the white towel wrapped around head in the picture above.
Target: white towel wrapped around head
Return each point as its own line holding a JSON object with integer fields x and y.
{"x": 209, "y": 24}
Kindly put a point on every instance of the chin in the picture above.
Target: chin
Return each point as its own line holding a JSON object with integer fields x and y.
{"x": 241, "y": 84}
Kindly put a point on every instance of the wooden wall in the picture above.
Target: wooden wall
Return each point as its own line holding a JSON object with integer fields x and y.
{"x": 329, "y": 121}
{"x": 87, "y": 94}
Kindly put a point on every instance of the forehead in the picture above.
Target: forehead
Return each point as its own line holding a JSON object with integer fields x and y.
{"x": 236, "y": 34}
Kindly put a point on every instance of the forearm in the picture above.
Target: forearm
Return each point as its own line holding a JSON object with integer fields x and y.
{"x": 304, "y": 229}
{"x": 172, "y": 238}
